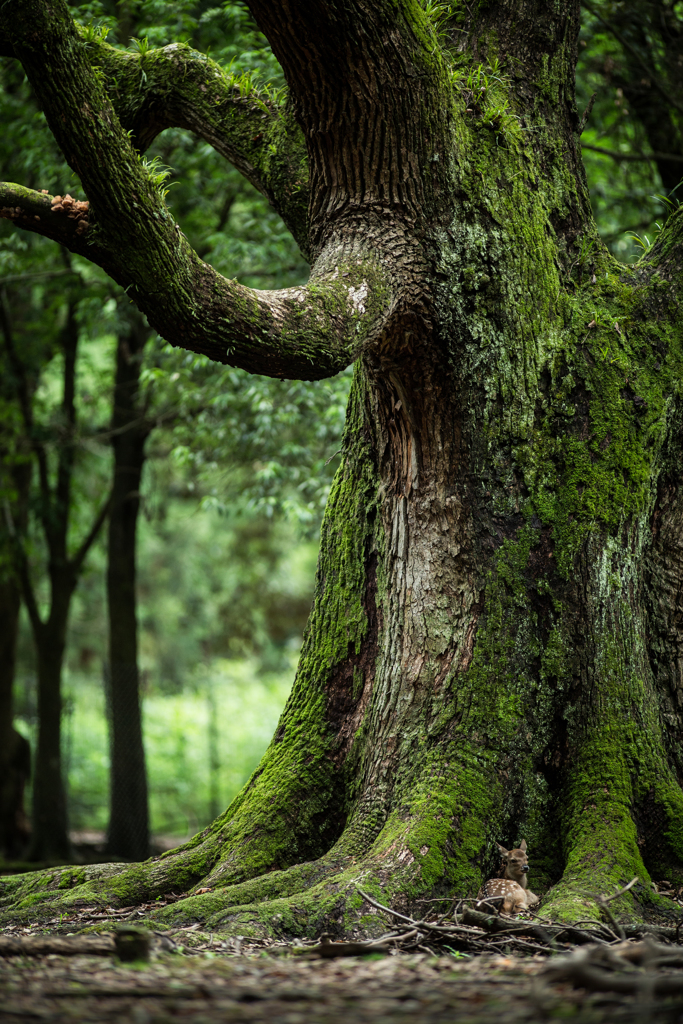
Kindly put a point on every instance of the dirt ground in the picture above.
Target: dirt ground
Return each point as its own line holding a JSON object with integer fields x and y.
{"x": 205, "y": 978}
{"x": 221, "y": 985}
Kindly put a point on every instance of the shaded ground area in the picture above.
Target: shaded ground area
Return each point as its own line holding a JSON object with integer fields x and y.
{"x": 291, "y": 991}
{"x": 201, "y": 978}
{"x": 90, "y": 847}
{"x": 505, "y": 971}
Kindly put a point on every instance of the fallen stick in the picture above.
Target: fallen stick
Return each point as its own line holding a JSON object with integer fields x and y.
{"x": 62, "y": 945}
{"x": 544, "y": 933}
{"x": 327, "y": 948}
{"x": 582, "y": 973}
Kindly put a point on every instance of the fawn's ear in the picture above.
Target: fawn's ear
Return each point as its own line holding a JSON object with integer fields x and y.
{"x": 502, "y": 849}
{"x": 522, "y": 846}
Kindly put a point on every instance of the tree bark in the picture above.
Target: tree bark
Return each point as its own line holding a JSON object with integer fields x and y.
{"x": 15, "y": 751}
{"x": 492, "y": 652}
{"x": 50, "y": 840}
{"x": 128, "y": 831}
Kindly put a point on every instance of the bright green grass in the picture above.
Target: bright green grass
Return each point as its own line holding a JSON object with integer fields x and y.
{"x": 177, "y": 743}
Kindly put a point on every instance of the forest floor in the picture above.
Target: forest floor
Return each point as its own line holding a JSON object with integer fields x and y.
{"x": 280, "y": 990}
{"x": 67, "y": 969}
{"x": 205, "y": 979}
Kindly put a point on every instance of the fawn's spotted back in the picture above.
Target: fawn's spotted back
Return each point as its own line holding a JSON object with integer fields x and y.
{"x": 512, "y": 887}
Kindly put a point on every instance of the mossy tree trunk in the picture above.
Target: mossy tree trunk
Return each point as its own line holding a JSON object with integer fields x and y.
{"x": 493, "y": 648}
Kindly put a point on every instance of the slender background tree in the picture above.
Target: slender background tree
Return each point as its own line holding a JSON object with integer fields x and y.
{"x": 128, "y": 832}
{"x": 50, "y": 839}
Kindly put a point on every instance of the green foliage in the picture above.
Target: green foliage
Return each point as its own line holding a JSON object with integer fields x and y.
{"x": 238, "y": 466}
{"x": 265, "y": 444}
{"x": 632, "y": 116}
{"x": 141, "y": 45}
{"x": 157, "y": 173}
{"x": 484, "y": 89}
{"x": 246, "y": 704}
{"x": 439, "y": 15}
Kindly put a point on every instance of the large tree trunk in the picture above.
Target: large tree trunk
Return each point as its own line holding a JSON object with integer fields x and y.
{"x": 493, "y": 650}
{"x": 128, "y": 831}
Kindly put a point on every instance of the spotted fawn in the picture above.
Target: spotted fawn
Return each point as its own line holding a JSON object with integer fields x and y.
{"x": 512, "y": 887}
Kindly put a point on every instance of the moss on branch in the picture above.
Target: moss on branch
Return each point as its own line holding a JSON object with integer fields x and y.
{"x": 178, "y": 87}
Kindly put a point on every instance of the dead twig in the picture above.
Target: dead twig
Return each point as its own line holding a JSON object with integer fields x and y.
{"x": 62, "y": 945}
{"x": 604, "y": 901}
{"x": 616, "y": 895}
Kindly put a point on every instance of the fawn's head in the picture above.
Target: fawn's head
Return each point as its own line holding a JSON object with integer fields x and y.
{"x": 516, "y": 863}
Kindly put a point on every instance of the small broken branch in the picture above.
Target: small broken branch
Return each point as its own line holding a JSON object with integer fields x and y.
{"x": 61, "y": 945}
{"x": 587, "y": 113}
{"x": 604, "y": 901}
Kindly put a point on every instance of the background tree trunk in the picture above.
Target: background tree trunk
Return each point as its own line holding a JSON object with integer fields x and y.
{"x": 128, "y": 831}
{"x": 15, "y": 751}
{"x": 50, "y": 840}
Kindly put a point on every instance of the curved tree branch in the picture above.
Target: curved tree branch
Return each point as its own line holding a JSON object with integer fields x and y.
{"x": 309, "y": 333}
{"x": 177, "y": 87}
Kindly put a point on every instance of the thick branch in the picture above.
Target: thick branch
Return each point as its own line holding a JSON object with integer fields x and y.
{"x": 307, "y": 333}
{"x": 37, "y": 212}
{"x": 365, "y": 79}
{"x": 177, "y": 87}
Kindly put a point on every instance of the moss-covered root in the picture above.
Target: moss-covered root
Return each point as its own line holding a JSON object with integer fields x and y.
{"x": 330, "y": 902}
{"x": 604, "y": 850}
{"x": 416, "y": 854}
{"x": 65, "y": 890}
{"x": 45, "y": 889}
{"x": 332, "y": 905}
{"x": 58, "y": 890}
